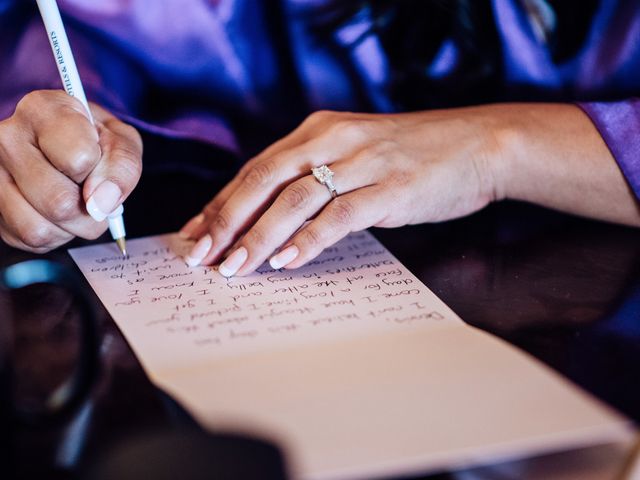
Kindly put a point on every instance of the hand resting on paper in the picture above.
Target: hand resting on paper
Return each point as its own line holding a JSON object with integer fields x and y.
{"x": 393, "y": 170}
{"x": 53, "y": 161}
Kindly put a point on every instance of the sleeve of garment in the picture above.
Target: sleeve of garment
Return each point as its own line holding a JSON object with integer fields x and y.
{"x": 27, "y": 63}
{"x": 21, "y": 69}
{"x": 116, "y": 65}
{"x": 619, "y": 125}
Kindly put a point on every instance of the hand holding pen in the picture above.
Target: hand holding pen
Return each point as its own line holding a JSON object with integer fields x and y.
{"x": 58, "y": 169}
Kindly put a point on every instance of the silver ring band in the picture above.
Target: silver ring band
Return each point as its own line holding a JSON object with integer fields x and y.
{"x": 324, "y": 175}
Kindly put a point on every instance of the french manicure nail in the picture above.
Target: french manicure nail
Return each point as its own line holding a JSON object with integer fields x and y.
{"x": 199, "y": 251}
{"x": 284, "y": 257}
{"x": 232, "y": 264}
{"x": 188, "y": 229}
{"x": 104, "y": 200}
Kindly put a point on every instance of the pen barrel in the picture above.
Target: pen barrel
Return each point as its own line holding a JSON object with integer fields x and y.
{"x": 116, "y": 223}
{"x": 72, "y": 84}
{"x": 62, "y": 51}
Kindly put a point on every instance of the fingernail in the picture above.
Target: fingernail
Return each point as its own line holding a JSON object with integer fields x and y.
{"x": 284, "y": 257}
{"x": 232, "y": 264}
{"x": 199, "y": 251}
{"x": 104, "y": 200}
{"x": 188, "y": 229}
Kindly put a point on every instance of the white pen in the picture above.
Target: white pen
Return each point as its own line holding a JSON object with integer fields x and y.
{"x": 73, "y": 86}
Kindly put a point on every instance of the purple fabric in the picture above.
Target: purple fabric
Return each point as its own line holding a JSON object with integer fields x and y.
{"x": 224, "y": 72}
{"x": 619, "y": 125}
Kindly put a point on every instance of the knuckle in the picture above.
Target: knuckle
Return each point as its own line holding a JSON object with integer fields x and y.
{"x": 63, "y": 205}
{"x": 367, "y": 153}
{"x": 74, "y": 158}
{"x": 260, "y": 174}
{"x": 221, "y": 221}
{"x": 341, "y": 211}
{"x": 350, "y": 129}
{"x": 319, "y": 116}
{"x": 312, "y": 238}
{"x": 212, "y": 208}
{"x": 248, "y": 165}
{"x": 81, "y": 160}
{"x": 255, "y": 239}
{"x": 296, "y": 196}
{"x": 33, "y": 100}
{"x": 374, "y": 152}
{"x": 381, "y": 148}
{"x": 36, "y": 236}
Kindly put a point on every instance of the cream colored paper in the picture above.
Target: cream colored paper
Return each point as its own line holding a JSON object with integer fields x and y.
{"x": 350, "y": 363}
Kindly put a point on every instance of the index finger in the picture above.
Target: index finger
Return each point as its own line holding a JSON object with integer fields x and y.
{"x": 258, "y": 188}
{"x": 320, "y": 122}
{"x": 198, "y": 225}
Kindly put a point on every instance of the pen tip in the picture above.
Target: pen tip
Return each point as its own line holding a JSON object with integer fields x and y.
{"x": 122, "y": 245}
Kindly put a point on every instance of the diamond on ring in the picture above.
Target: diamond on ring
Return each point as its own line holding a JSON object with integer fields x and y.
{"x": 325, "y": 176}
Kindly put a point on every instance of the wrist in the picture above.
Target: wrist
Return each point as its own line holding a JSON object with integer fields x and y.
{"x": 552, "y": 155}
{"x": 518, "y": 157}
{"x": 503, "y": 140}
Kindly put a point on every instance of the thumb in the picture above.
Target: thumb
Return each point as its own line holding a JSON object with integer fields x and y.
{"x": 118, "y": 171}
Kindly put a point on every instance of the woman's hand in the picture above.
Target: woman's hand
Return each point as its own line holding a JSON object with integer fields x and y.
{"x": 53, "y": 161}
{"x": 392, "y": 170}
{"x": 389, "y": 170}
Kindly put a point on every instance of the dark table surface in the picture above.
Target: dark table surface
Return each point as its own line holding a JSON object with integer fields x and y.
{"x": 565, "y": 289}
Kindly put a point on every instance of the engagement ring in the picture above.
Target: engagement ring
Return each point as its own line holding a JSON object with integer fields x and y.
{"x": 324, "y": 175}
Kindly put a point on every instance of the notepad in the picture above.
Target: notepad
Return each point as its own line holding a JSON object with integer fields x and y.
{"x": 350, "y": 364}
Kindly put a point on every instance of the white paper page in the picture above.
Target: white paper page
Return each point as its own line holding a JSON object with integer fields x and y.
{"x": 177, "y": 316}
{"x": 351, "y": 363}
